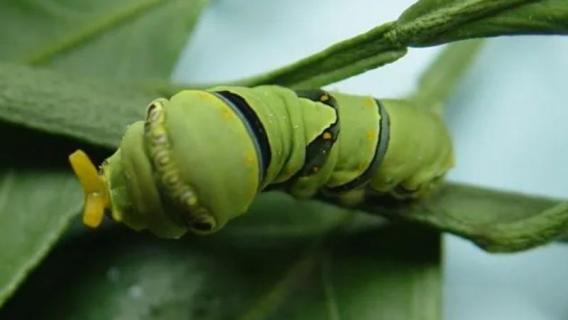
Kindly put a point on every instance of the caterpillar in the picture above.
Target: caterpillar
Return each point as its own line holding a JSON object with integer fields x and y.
{"x": 200, "y": 158}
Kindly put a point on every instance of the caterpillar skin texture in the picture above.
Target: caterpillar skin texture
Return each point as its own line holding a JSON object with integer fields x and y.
{"x": 200, "y": 158}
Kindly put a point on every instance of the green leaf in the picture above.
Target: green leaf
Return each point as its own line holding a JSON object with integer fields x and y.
{"x": 114, "y": 39}
{"x": 36, "y": 203}
{"x": 40, "y": 196}
{"x": 97, "y": 112}
{"x": 22, "y": 243}
{"x": 342, "y": 60}
{"x": 427, "y": 23}
{"x": 496, "y": 221}
{"x": 127, "y": 39}
{"x": 515, "y": 17}
{"x": 342, "y": 268}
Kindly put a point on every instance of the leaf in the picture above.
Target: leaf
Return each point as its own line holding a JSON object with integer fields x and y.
{"x": 496, "y": 221}
{"x": 67, "y": 105}
{"x": 342, "y": 60}
{"x": 426, "y": 23}
{"x": 23, "y": 244}
{"x": 127, "y": 39}
{"x": 36, "y": 203}
{"x": 343, "y": 271}
{"x": 519, "y": 17}
{"x": 94, "y": 37}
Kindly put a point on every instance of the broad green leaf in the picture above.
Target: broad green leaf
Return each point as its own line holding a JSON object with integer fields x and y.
{"x": 427, "y": 23}
{"x": 36, "y": 202}
{"x": 23, "y": 243}
{"x": 97, "y": 112}
{"x": 39, "y": 194}
{"x": 113, "y": 39}
{"x": 127, "y": 39}
{"x": 341, "y": 268}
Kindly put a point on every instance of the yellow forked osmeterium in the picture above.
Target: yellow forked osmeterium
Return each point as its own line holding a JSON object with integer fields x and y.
{"x": 96, "y": 196}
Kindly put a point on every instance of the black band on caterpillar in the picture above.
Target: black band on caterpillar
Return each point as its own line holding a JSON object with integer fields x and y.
{"x": 380, "y": 151}
{"x": 254, "y": 124}
{"x": 318, "y": 150}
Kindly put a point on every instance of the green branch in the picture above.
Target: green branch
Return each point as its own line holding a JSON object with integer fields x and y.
{"x": 427, "y": 23}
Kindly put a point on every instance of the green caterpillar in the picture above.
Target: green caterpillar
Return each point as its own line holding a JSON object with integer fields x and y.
{"x": 200, "y": 158}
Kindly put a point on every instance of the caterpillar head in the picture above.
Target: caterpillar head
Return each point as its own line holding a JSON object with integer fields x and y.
{"x": 190, "y": 165}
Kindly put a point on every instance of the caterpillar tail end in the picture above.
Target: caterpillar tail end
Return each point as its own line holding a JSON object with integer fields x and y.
{"x": 94, "y": 187}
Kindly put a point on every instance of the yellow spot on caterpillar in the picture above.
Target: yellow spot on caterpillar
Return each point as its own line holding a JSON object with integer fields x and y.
{"x": 327, "y": 135}
{"x": 227, "y": 114}
{"x": 369, "y": 103}
{"x": 96, "y": 196}
{"x": 324, "y": 97}
{"x": 371, "y": 135}
{"x": 250, "y": 159}
{"x": 204, "y": 94}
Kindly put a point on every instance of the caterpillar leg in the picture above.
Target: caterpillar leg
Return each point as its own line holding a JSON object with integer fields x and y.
{"x": 96, "y": 197}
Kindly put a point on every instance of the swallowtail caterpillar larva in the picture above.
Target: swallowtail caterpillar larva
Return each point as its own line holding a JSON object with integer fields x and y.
{"x": 200, "y": 158}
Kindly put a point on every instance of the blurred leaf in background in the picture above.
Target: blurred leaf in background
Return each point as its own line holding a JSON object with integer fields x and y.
{"x": 126, "y": 39}
{"x": 112, "y": 39}
{"x": 286, "y": 260}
